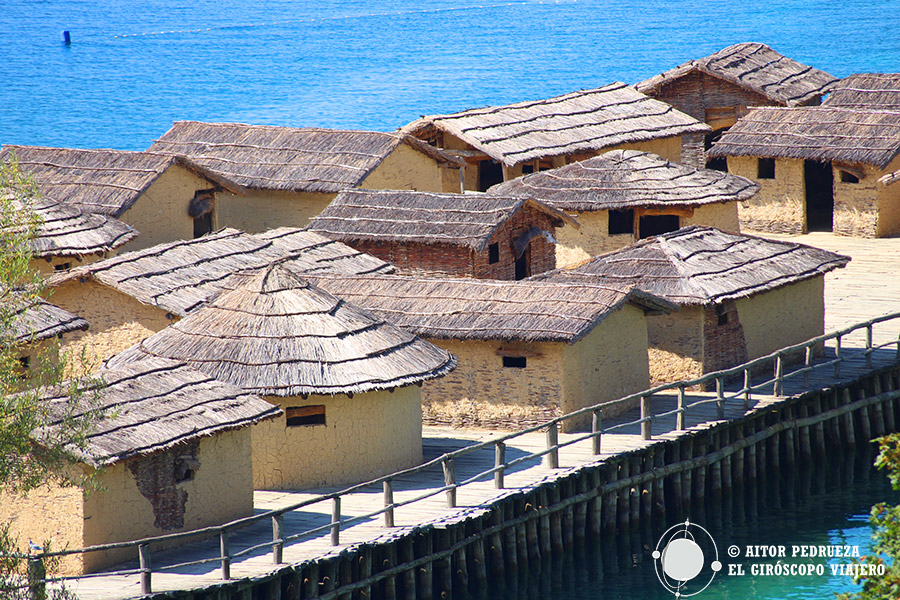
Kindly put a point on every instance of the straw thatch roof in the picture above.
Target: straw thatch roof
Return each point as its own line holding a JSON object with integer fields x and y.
{"x": 180, "y": 276}
{"x": 890, "y": 178}
{"x": 878, "y": 91}
{"x": 274, "y": 334}
{"x": 66, "y": 230}
{"x": 623, "y": 179}
{"x": 36, "y": 319}
{"x": 702, "y": 265}
{"x": 815, "y": 133}
{"x": 151, "y": 405}
{"x": 107, "y": 182}
{"x": 755, "y": 67}
{"x": 467, "y": 220}
{"x": 584, "y": 121}
{"x": 479, "y": 309}
{"x": 287, "y": 159}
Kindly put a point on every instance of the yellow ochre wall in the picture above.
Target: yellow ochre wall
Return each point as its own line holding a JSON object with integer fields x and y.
{"x": 261, "y": 210}
{"x": 668, "y": 147}
{"x": 408, "y": 169}
{"x": 117, "y": 321}
{"x": 364, "y": 437}
{"x": 221, "y": 491}
{"x": 608, "y": 363}
{"x": 722, "y": 215}
{"x": 48, "y": 268}
{"x": 782, "y": 317}
{"x": 780, "y": 204}
{"x": 675, "y": 344}
{"x": 160, "y": 214}
{"x": 867, "y": 208}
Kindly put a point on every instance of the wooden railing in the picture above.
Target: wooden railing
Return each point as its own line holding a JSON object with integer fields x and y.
{"x": 550, "y": 456}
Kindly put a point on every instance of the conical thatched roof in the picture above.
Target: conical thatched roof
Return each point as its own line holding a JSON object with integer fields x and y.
{"x": 66, "y": 230}
{"x": 584, "y": 121}
{"x": 877, "y": 91}
{"x": 702, "y": 265}
{"x": 815, "y": 133}
{"x": 480, "y": 309}
{"x": 36, "y": 319}
{"x": 107, "y": 182}
{"x": 623, "y": 179}
{"x": 152, "y": 405}
{"x": 755, "y": 67}
{"x": 264, "y": 157}
{"x": 276, "y": 335}
{"x": 180, "y": 276}
{"x": 467, "y": 220}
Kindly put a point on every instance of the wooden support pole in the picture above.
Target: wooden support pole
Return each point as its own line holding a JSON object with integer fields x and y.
{"x": 389, "y": 561}
{"x": 779, "y": 375}
{"x": 311, "y": 581}
{"x": 510, "y": 541}
{"x": 748, "y": 384}
{"x": 146, "y": 569}
{"x": 596, "y": 429}
{"x": 426, "y": 571}
{"x": 720, "y": 398}
{"x": 497, "y": 561}
{"x": 531, "y": 538}
{"x": 889, "y": 421}
{"x": 680, "y": 415}
{"x": 365, "y": 569}
{"x": 450, "y": 480}
{"x": 388, "y": 487}
{"x": 847, "y": 423}
{"x": 407, "y": 555}
{"x": 544, "y": 525}
{"x": 499, "y": 464}
{"x": 459, "y": 563}
{"x": 551, "y": 459}
{"x": 336, "y": 521}
{"x": 521, "y": 537}
{"x": 479, "y": 564}
{"x": 646, "y": 415}
{"x": 869, "y": 346}
{"x": 444, "y": 565}
{"x": 877, "y": 411}
{"x": 864, "y": 422}
{"x": 837, "y": 356}
{"x": 623, "y": 512}
{"x": 807, "y": 363}
{"x": 278, "y": 538}
{"x": 225, "y": 555}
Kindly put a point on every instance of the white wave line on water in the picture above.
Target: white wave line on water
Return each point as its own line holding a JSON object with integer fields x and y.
{"x": 344, "y": 17}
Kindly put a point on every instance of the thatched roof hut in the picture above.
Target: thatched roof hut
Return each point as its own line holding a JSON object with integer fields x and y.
{"x": 753, "y": 66}
{"x": 107, "y": 182}
{"x": 262, "y": 157}
{"x": 36, "y": 320}
{"x": 582, "y": 122}
{"x": 274, "y": 334}
{"x": 180, "y": 276}
{"x": 877, "y": 91}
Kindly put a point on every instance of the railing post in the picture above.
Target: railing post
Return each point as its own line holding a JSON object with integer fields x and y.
{"x": 646, "y": 425}
{"x": 869, "y": 346}
{"x": 596, "y": 429}
{"x": 748, "y": 389}
{"x": 499, "y": 462}
{"x": 278, "y": 538}
{"x": 807, "y": 363}
{"x": 388, "y": 503}
{"x": 450, "y": 479}
{"x": 680, "y": 415}
{"x": 336, "y": 521}
{"x": 551, "y": 459}
{"x": 144, "y": 557}
{"x": 837, "y": 356}
{"x": 779, "y": 375}
{"x": 37, "y": 575}
{"x": 720, "y": 398}
{"x": 225, "y": 554}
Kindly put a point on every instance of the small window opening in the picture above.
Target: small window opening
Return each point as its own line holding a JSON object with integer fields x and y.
{"x": 849, "y": 177}
{"x": 62, "y": 266}
{"x": 515, "y": 362}
{"x": 527, "y": 169}
{"x": 493, "y": 253}
{"x": 621, "y": 221}
{"x": 722, "y": 315}
{"x": 299, "y": 416}
{"x": 24, "y": 366}
{"x": 185, "y": 466}
{"x": 765, "y": 168}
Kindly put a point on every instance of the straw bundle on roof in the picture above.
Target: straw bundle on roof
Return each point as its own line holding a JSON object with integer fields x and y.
{"x": 815, "y": 133}
{"x": 285, "y": 158}
{"x": 36, "y": 320}
{"x": 584, "y": 121}
{"x": 878, "y": 91}
{"x": 702, "y": 265}
{"x": 623, "y": 179}
{"x": 755, "y": 67}
{"x": 275, "y": 334}
{"x": 467, "y": 220}
{"x": 152, "y": 405}
{"x": 180, "y": 276}
{"x": 108, "y": 182}
{"x": 478, "y": 309}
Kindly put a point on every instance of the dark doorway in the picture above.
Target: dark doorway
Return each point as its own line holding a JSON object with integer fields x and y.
{"x": 719, "y": 163}
{"x": 819, "y": 195}
{"x": 658, "y": 224}
{"x": 523, "y": 264}
{"x": 203, "y": 225}
{"x": 489, "y": 173}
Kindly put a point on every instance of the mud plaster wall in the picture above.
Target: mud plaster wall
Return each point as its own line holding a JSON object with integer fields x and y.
{"x": 676, "y": 344}
{"x": 779, "y": 206}
{"x": 888, "y": 210}
{"x": 117, "y": 321}
{"x": 408, "y": 169}
{"x": 668, "y": 147}
{"x": 723, "y": 345}
{"x": 48, "y": 267}
{"x": 722, "y": 215}
{"x": 576, "y": 245}
{"x": 363, "y": 437}
{"x": 262, "y": 210}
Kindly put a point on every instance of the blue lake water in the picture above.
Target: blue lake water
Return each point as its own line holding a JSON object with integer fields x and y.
{"x": 135, "y": 66}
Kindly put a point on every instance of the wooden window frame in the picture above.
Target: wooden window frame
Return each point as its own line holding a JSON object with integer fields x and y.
{"x": 304, "y": 416}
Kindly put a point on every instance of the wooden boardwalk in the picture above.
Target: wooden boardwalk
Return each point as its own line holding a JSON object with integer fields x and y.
{"x": 869, "y": 287}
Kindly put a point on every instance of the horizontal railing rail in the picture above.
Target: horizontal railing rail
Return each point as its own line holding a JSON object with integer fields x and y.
{"x": 550, "y": 456}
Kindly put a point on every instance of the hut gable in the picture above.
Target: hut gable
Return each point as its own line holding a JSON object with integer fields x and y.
{"x": 704, "y": 266}
{"x": 152, "y": 405}
{"x": 468, "y": 220}
{"x": 474, "y": 309}
{"x": 177, "y": 277}
{"x": 755, "y": 67}
{"x": 288, "y": 159}
{"x": 580, "y": 122}
{"x": 107, "y": 182}
{"x": 627, "y": 179}
{"x": 823, "y": 134}
{"x": 273, "y": 333}
{"x": 36, "y": 320}
{"x": 876, "y": 91}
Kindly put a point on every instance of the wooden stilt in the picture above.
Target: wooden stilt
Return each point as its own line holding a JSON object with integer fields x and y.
{"x": 544, "y": 532}
{"x": 444, "y": 565}
{"x": 479, "y": 562}
{"x": 407, "y": 555}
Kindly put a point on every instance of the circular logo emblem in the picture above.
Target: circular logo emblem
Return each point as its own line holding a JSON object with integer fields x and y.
{"x": 680, "y": 559}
